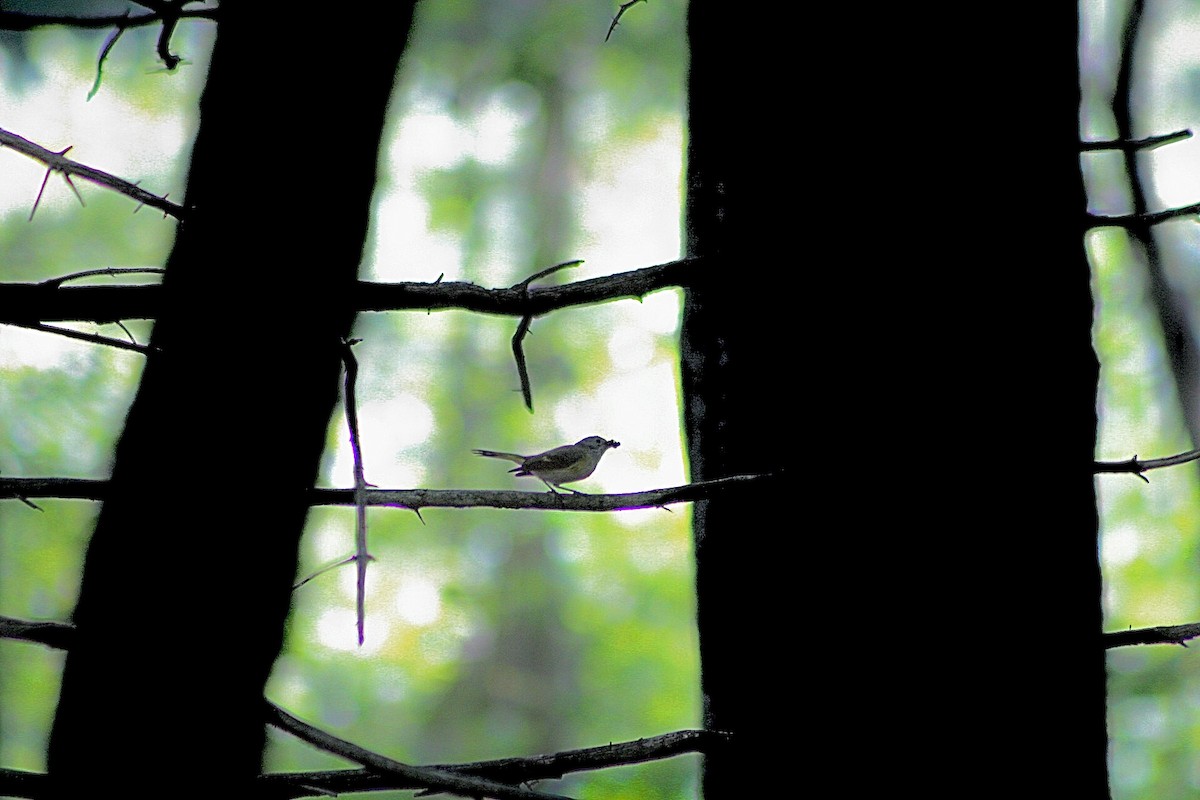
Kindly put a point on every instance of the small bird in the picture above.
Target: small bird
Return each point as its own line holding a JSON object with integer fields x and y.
{"x": 566, "y": 464}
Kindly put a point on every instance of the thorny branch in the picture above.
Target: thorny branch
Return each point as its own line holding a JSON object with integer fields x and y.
{"x": 58, "y": 162}
{"x": 620, "y": 13}
{"x": 1137, "y": 466}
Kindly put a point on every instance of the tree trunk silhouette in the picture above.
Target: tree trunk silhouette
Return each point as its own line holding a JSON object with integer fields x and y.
{"x": 736, "y": 388}
{"x": 187, "y": 580}
{"x": 902, "y": 321}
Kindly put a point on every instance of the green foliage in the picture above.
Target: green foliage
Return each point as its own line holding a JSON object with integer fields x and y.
{"x": 1150, "y": 547}
{"x": 489, "y": 634}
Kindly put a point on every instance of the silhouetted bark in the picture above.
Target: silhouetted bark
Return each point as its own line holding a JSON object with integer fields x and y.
{"x": 903, "y": 321}
{"x": 183, "y": 603}
{"x": 738, "y": 380}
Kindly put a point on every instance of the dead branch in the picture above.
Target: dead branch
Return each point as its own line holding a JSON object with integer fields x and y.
{"x": 1138, "y": 220}
{"x": 1163, "y": 634}
{"x": 496, "y": 778}
{"x": 509, "y": 770}
{"x": 91, "y": 489}
{"x": 58, "y": 162}
{"x": 1131, "y": 145}
{"x": 620, "y": 13}
{"x": 1136, "y": 466}
{"x": 361, "y": 556}
{"x": 32, "y": 302}
{"x": 417, "y": 777}
{"x": 518, "y": 339}
{"x": 22, "y": 21}
{"x": 90, "y": 338}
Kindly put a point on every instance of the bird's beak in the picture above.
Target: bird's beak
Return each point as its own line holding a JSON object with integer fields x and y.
{"x": 613, "y": 443}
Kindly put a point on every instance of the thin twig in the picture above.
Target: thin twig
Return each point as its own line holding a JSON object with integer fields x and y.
{"x": 110, "y": 271}
{"x": 339, "y": 563}
{"x": 524, "y": 285}
{"x": 518, "y": 348}
{"x": 24, "y": 500}
{"x": 522, "y": 331}
{"x": 1130, "y": 145}
{"x": 1149, "y": 218}
{"x": 361, "y": 556}
{"x": 511, "y": 770}
{"x": 169, "y": 11}
{"x": 620, "y": 13}
{"x": 496, "y": 778}
{"x": 92, "y": 338}
{"x": 423, "y": 777}
{"x": 104, "y": 51}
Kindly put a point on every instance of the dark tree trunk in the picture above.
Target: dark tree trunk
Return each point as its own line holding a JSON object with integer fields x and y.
{"x": 187, "y": 581}
{"x": 900, "y": 317}
{"x": 739, "y": 378}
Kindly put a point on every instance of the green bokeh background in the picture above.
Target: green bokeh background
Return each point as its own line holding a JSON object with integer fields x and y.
{"x": 540, "y": 631}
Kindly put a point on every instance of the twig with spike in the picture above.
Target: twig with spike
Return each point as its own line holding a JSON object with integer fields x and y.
{"x": 57, "y": 162}
{"x": 620, "y": 13}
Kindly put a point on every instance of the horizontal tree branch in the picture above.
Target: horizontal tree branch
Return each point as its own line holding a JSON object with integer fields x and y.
{"x": 1131, "y": 145}
{"x": 416, "y": 499}
{"x": 21, "y": 21}
{"x": 1148, "y": 218}
{"x": 508, "y": 770}
{"x": 58, "y": 635}
{"x": 1137, "y": 466}
{"x": 1163, "y": 634}
{"x": 49, "y": 302}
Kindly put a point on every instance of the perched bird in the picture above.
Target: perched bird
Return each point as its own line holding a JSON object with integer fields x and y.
{"x": 566, "y": 464}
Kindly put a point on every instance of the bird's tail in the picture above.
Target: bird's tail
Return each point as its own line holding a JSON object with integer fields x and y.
{"x": 513, "y": 457}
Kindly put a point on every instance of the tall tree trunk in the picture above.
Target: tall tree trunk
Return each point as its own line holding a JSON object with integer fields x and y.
{"x": 737, "y": 377}
{"x": 187, "y": 581}
{"x": 898, "y": 315}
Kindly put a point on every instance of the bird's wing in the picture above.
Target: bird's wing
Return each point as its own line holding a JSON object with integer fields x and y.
{"x": 558, "y": 458}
